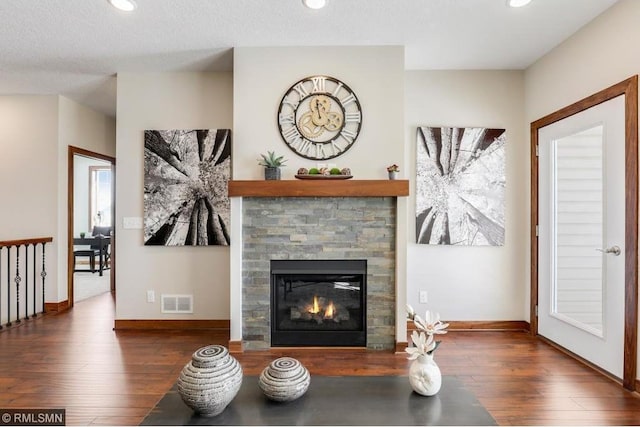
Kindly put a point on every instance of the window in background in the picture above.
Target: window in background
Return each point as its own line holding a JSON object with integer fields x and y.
{"x": 99, "y": 196}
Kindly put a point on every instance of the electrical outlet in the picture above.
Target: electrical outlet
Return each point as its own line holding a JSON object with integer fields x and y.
{"x": 423, "y": 297}
{"x": 151, "y": 296}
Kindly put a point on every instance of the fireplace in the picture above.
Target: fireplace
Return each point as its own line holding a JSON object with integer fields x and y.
{"x": 318, "y": 303}
{"x": 318, "y": 228}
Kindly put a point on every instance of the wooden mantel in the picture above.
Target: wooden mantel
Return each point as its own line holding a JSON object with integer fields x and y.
{"x": 320, "y": 188}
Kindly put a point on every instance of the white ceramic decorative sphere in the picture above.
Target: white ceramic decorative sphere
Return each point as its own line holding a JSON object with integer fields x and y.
{"x": 284, "y": 380}
{"x": 210, "y": 381}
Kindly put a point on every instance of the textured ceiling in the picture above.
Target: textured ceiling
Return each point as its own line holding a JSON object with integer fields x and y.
{"x": 76, "y": 47}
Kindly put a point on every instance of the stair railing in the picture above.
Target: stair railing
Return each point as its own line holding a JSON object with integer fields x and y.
{"x": 22, "y": 261}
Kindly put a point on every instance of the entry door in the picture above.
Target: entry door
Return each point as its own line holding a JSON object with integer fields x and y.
{"x": 581, "y": 285}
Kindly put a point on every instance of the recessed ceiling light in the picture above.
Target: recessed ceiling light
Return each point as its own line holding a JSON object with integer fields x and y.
{"x": 126, "y": 5}
{"x": 314, "y": 4}
{"x": 518, "y": 3}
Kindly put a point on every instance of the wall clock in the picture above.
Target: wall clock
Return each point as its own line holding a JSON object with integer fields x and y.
{"x": 319, "y": 117}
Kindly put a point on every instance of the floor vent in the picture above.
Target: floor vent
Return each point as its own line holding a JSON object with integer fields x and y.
{"x": 177, "y": 303}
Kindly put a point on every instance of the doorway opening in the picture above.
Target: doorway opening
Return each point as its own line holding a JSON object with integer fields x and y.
{"x": 91, "y": 231}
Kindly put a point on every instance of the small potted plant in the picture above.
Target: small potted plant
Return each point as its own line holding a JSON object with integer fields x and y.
{"x": 272, "y": 164}
{"x": 393, "y": 171}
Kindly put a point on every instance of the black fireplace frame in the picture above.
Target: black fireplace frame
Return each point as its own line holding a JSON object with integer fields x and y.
{"x": 351, "y": 338}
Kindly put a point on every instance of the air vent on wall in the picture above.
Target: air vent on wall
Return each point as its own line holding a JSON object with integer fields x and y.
{"x": 177, "y": 303}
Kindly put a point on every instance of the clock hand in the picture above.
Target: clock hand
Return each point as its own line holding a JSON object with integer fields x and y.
{"x": 316, "y": 110}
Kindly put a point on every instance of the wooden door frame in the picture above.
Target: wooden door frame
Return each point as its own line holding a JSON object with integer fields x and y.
{"x": 72, "y": 151}
{"x": 629, "y": 88}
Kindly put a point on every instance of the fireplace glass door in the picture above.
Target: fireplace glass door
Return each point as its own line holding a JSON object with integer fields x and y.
{"x": 318, "y": 302}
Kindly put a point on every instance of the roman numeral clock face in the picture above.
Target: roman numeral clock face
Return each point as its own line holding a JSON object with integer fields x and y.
{"x": 319, "y": 117}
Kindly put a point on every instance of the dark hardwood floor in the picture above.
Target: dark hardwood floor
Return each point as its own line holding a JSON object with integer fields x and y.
{"x": 75, "y": 360}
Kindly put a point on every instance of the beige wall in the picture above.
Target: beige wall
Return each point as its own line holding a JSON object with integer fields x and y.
{"x": 29, "y": 175}
{"x": 81, "y": 127}
{"x": 603, "y": 53}
{"x": 262, "y": 76}
{"x": 35, "y": 132}
{"x": 166, "y": 101}
{"x": 496, "y": 276}
{"x": 85, "y": 128}
{"x": 479, "y": 282}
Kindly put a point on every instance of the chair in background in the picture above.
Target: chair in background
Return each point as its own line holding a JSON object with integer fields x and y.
{"x": 95, "y": 250}
{"x": 100, "y": 230}
{"x": 91, "y": 253}
{"x": 106, "y": 232}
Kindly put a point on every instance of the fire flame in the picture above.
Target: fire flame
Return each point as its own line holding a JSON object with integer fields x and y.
{"x": 316, "y": 307}
{"x": 328, "y": 313}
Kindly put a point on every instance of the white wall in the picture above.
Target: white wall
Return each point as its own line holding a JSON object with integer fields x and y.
{"x": 262, "y": 76}
{"x": 81, "y": 127}
{"x": 472, "y": 282}
{"x": 85, "y": 128}
{"x": 35, "y": 132}
{"x": 166, "y": 101}
{"x": 604, "y": 52}
{"x": 29, "y": 175}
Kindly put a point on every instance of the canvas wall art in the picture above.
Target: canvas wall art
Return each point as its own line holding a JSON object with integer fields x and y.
{"x": 460, "y": 186}
{"x": 186, "y": 175}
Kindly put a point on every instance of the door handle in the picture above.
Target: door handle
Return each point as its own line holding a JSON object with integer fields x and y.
{"x": 615, "y": 250}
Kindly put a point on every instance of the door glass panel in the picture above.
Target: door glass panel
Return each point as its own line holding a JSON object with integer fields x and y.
{"x": 577, "y": 285}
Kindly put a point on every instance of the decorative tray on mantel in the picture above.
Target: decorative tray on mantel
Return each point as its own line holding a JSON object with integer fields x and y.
{"x": 318, "y": 176}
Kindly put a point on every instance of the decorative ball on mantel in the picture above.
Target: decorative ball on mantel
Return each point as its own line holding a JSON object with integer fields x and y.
{"x": 284, "y": 380}
{"x": 210, "y": 381}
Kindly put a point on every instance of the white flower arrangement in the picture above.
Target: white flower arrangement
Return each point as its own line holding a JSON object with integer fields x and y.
{"x": 423, "y": 341}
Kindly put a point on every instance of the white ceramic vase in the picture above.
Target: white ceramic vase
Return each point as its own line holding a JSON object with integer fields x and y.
{"x": 210, "y": 381}
{"x": 425, "y": 376}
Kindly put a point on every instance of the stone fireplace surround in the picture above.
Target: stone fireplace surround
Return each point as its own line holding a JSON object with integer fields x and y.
{"x": 360, "y": 226}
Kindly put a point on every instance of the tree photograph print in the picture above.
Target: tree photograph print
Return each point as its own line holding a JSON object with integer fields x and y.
{"x": 460, "y": 186}
{"x": 186, "y": 174}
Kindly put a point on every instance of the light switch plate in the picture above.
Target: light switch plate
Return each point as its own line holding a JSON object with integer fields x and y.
{"x": 132, "y": 223}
